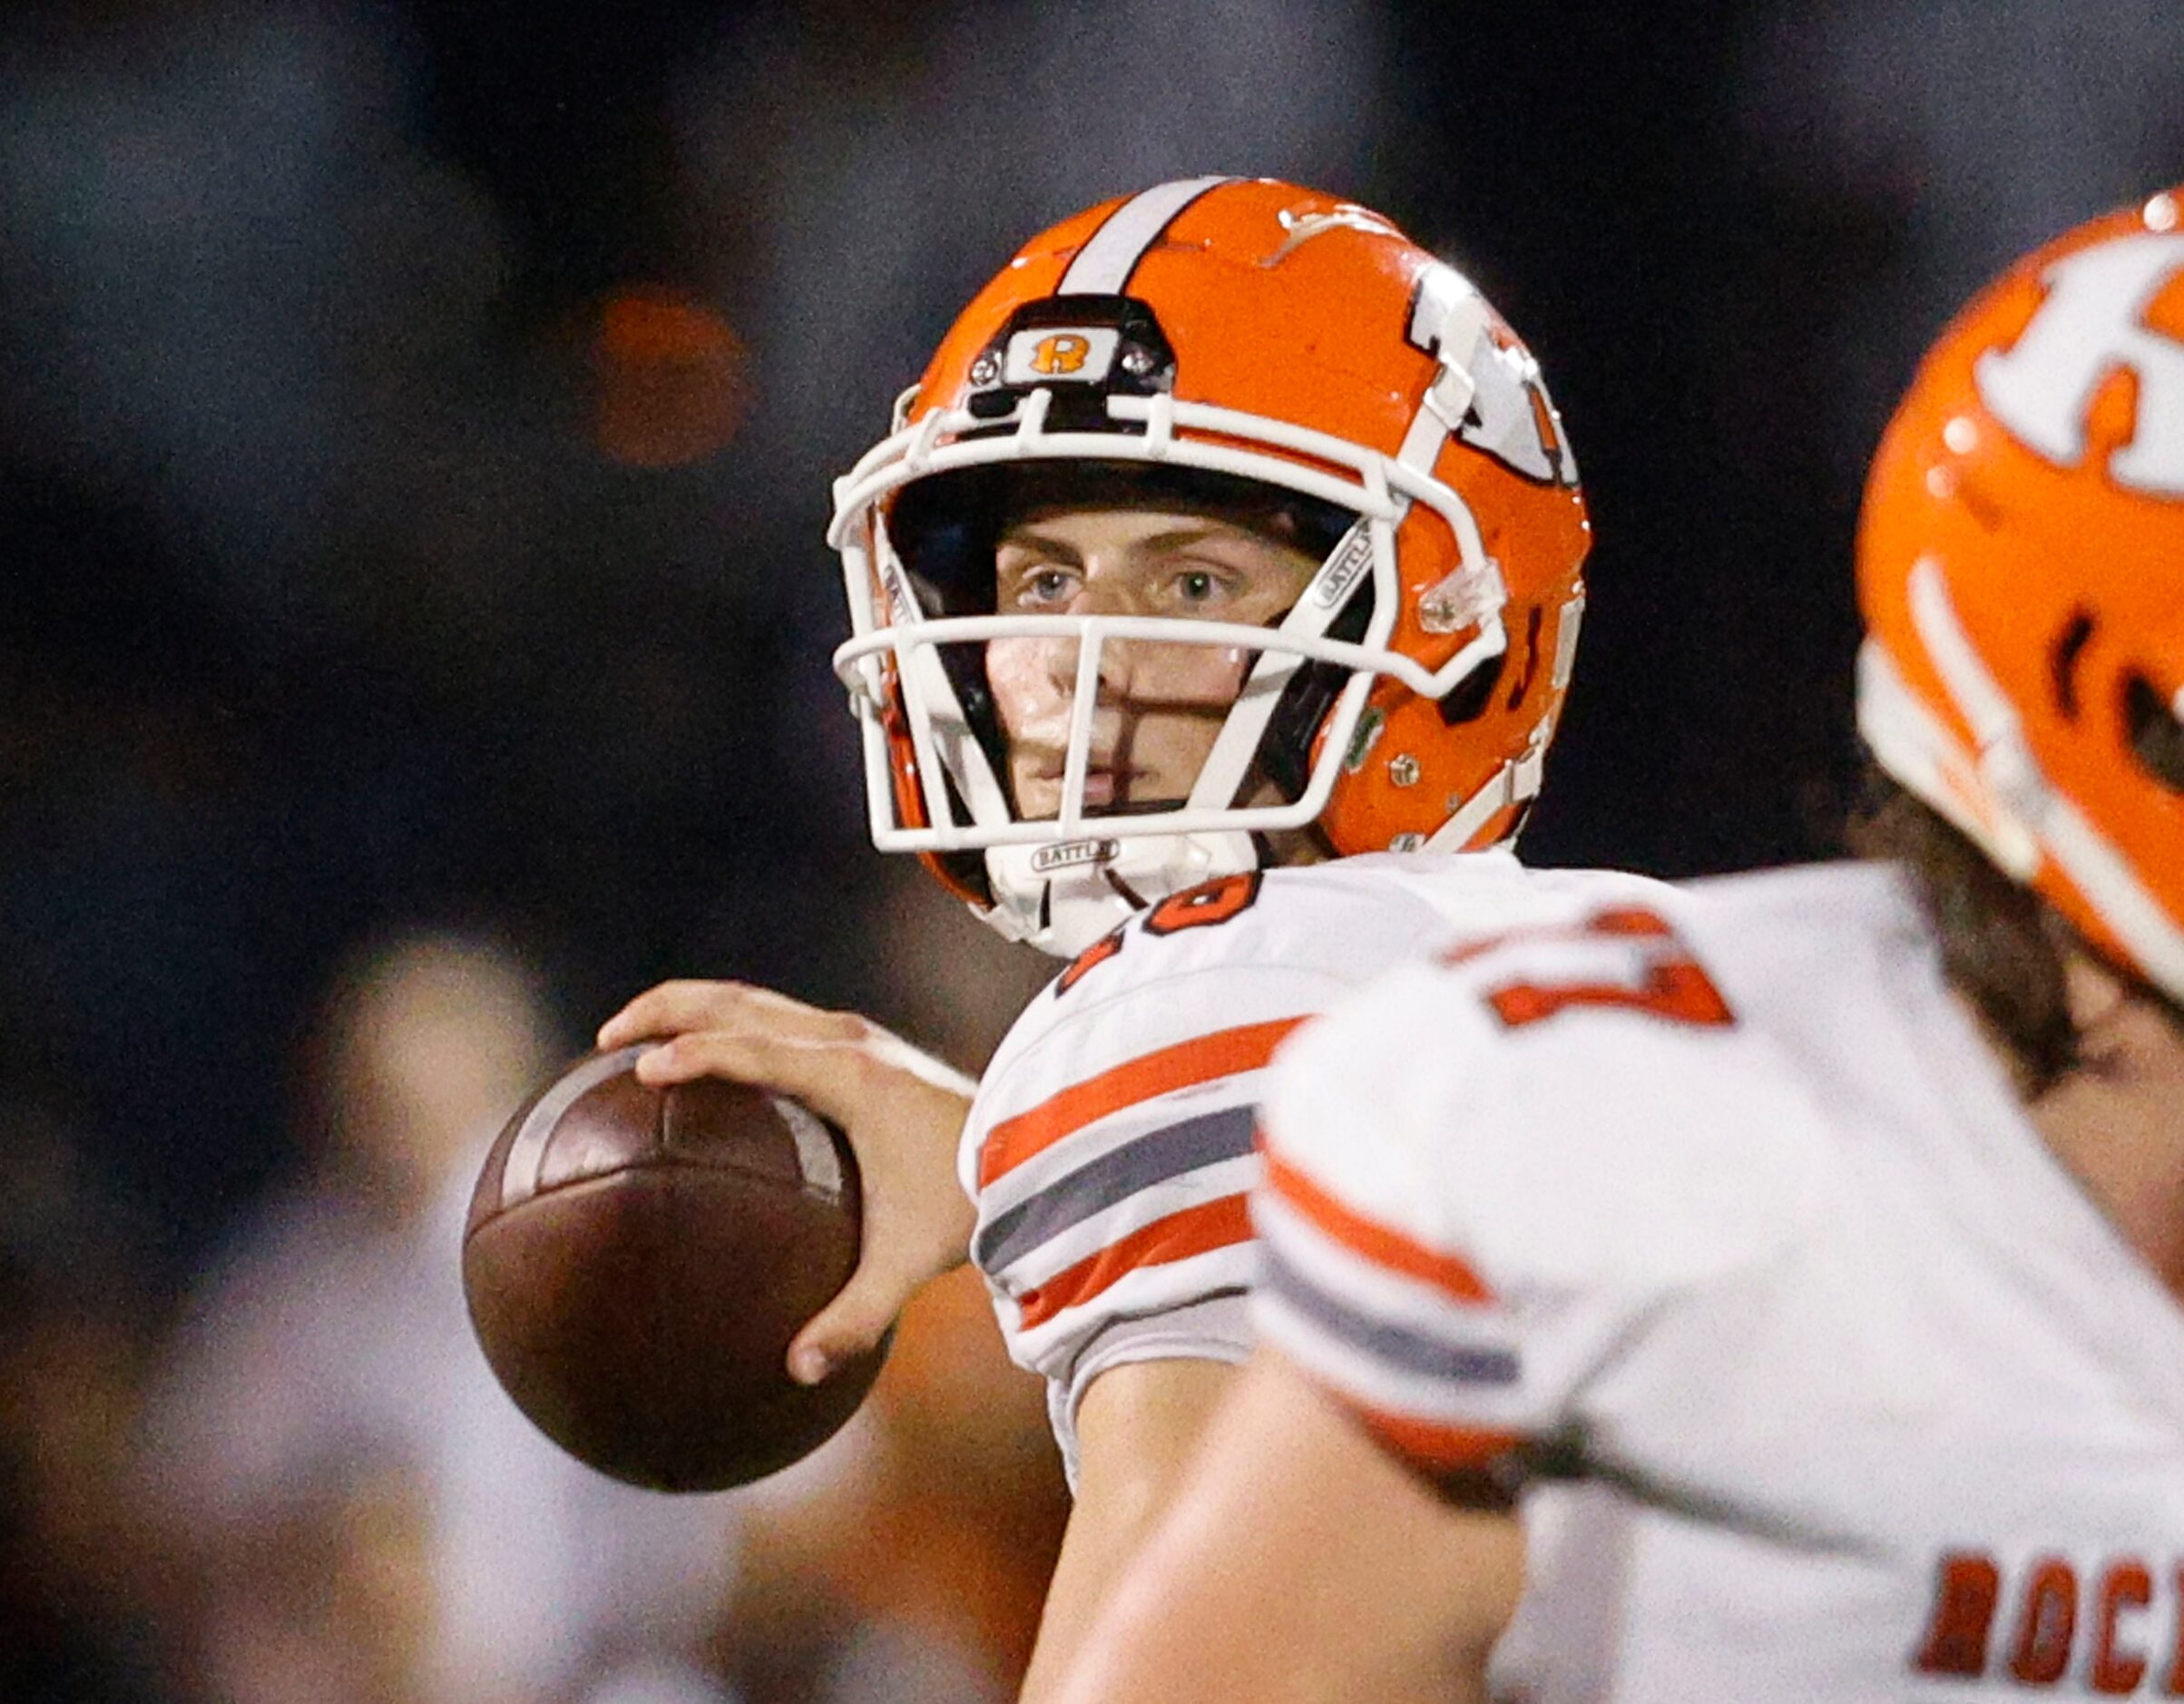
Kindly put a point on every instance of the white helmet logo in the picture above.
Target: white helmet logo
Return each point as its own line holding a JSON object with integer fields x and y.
{"x": 1491, "y": 397}
{"x": 1303, "y": 227}
{"x": 2092, "y": 327}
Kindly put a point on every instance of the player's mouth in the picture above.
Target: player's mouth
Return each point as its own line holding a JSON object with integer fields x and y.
{"x": 1101, "y": 786}
{"x": 1105, "y": 784}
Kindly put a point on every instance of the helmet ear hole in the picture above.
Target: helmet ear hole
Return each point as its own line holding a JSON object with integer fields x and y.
{"x": 2063, "y": 662}
{"x": 1522, "y": 684}
{"x": 964, "y": 873}
{"x": 1467, "y": 701}
{"x": 2157, "y": 738}
{"x": 965, "y": 666}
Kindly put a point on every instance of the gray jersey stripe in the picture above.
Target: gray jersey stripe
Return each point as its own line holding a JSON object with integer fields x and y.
{"x": 1114, "y": 1177}
{"x": 1396, "y": 1345}
{"x": 1103, "y": 266}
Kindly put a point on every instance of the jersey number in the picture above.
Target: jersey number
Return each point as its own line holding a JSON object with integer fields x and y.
{"x": 1205, "y": 906}
{"x": 1669, "y": 982}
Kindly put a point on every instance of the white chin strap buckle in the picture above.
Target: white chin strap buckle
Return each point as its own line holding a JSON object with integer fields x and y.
{"x": 1061, "y": 897}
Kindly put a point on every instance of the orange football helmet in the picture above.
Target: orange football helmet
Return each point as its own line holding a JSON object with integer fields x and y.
{"x": 2021, "y": 565}
{"x": 1216, "y": 333}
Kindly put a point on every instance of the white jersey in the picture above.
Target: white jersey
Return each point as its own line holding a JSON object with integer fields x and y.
{"x": 1723, "y": 1210}
{"x": 1110, "y": 1152}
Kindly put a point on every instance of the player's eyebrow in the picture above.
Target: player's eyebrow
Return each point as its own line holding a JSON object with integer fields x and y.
{"x": 1046, "y": 545}
{"x": 1182, "y": 537}
{"x": 1072, "y": 556}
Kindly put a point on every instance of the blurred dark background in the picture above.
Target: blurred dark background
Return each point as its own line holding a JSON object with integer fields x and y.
{"x": 416, "y": 423}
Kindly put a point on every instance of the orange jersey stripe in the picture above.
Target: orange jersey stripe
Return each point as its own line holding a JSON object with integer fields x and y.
{"x": 1198, "y": 1230}
{"x": 1438, "y": 1448}
{"x": 1223, "y": 1054}
{"x": 1376, "y": 1242}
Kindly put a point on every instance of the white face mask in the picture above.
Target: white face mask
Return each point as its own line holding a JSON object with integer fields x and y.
{"x": 1050, "y": 876}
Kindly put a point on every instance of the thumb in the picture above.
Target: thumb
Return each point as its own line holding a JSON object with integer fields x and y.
{"x": 849, "y": 1326}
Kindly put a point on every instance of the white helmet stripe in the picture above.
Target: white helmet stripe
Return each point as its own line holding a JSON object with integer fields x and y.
{"x": 2026, "y": 801}
{"x": 1104, "y": 265}
{"x": 2106, "y": 878}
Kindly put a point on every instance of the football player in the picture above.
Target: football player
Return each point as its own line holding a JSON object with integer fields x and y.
{"x": 1219, "y": 579}
{"x": 1825, "y": 1227}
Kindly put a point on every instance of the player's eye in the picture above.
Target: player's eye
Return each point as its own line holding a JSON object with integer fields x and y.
{"x": 1198, "y": 585}
{"x": 1045, "y": 585}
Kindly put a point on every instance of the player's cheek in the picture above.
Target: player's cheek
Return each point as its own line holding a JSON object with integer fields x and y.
{"x": 1027, "y": 676}
{"x": 1191, "y": 677}
{"x": 1171, "y": 747}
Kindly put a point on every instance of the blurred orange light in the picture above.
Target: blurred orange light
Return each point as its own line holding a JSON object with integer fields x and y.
{"x": 671, "y": 377}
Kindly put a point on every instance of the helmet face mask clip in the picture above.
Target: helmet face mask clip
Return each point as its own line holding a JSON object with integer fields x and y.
{"x": 1082, "y": 349}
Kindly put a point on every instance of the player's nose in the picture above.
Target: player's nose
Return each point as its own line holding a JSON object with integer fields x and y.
{"x": 1121, "y": 665}
{"x": 1120, "y": 659}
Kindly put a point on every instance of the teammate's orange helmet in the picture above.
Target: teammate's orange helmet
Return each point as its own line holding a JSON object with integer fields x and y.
{"x": 2021, "y": 564}
{"x": 1207, "y": 336}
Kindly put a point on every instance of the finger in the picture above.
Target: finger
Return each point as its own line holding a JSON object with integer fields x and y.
{"x": 849, "y": 1326}
{"x": 823, "y": 1076}
{"x": 662, "y": 1010}
{"x": 674, "y": 1008}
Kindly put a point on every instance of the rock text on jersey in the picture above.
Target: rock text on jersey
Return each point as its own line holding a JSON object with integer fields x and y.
{"x": 2114, "y": 1625}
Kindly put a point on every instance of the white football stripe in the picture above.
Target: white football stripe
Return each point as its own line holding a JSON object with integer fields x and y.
{"x": 816, "y": 1155}
{"x": 527, "y": 1153}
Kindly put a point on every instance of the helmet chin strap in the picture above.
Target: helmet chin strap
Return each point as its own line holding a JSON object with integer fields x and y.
{"x": 1061, "y": 898}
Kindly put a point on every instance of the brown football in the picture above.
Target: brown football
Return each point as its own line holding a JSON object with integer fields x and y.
{"x": 637, "y": 1261}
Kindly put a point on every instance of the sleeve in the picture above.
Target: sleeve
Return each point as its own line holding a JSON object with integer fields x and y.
{"x": 1111, "y": 1154}
{"x": 1482, "y": 1190}
{"x": 1110, "y": 1165}
{"x": 1390, "y": 1314}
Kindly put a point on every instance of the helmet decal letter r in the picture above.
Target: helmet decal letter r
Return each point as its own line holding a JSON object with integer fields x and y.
{"x": 1065, "y": 352}
{"x": 2090, "y": 327}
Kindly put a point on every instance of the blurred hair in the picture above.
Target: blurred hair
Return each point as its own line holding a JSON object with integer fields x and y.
{"x": 2003, "y": 948}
